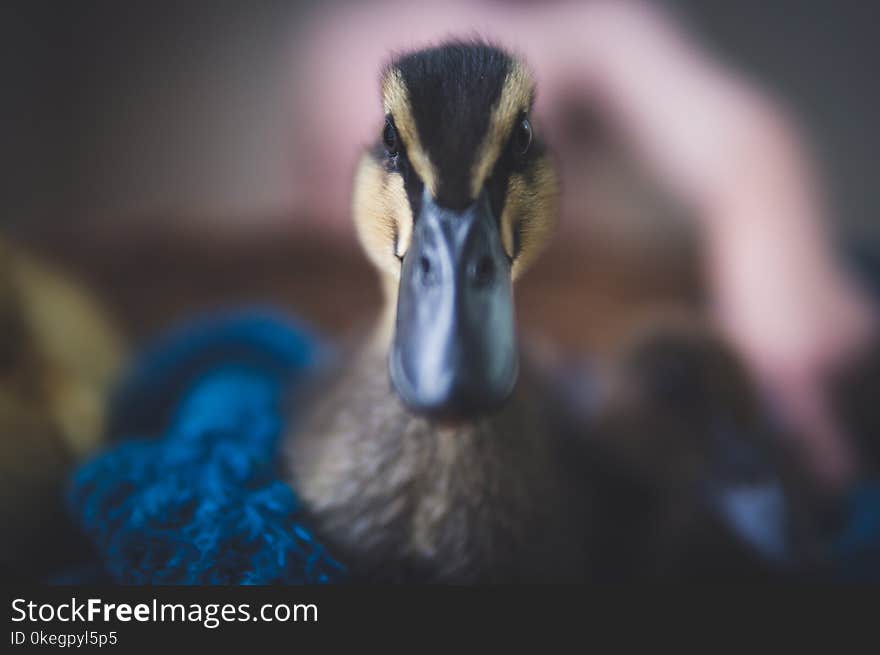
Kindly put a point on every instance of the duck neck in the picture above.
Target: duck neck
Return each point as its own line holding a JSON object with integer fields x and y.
{"x": 382, "y": 484}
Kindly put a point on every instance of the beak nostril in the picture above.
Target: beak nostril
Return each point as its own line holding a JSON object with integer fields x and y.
{"x": 426, "y": 270}
{"x": 483, "y": 272}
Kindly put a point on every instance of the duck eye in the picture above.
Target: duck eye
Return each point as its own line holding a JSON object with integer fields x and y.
{"x": 523, "y": 137}
{"x": 389, "y": 137}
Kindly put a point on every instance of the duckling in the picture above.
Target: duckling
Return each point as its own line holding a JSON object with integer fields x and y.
{"x": 699, "y": 483}
{"x": 59, "y": 356}
{"x": 427, "y": 456}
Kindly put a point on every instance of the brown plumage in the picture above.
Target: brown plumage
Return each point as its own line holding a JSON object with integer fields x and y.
{"x": 401, "y": 498}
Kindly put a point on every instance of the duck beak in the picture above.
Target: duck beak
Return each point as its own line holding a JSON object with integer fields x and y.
{"x": 454, "y": 349}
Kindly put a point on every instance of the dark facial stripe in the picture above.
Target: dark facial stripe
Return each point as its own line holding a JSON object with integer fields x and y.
{"x": 395, "y": 97}
{"x": 451, "y": 92}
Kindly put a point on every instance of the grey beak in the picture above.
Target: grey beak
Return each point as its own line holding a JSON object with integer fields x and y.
{"x": 454, "y": 349}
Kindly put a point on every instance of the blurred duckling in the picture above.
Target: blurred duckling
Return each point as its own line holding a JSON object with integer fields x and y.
{"x": 59, "y": 355}
{"x": 698, "y": 481}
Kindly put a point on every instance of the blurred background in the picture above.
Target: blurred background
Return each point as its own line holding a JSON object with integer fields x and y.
{"x": 177, "y": 122}
{"x": 164, "y": 112}
{"x": 177, "y": 157}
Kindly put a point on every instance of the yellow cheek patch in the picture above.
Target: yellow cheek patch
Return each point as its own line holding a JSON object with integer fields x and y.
{"x": 530, "y": 211}
{"x": 382, "y": 214}
{"x": 516, "y": 97}
{"x": 395, "y": 100}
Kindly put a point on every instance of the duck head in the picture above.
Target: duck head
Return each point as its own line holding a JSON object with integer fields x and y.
{"x": 453, "y": 201}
